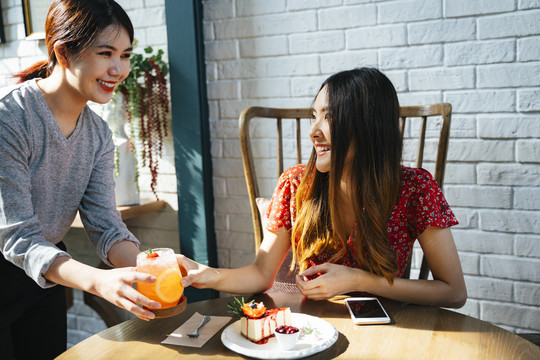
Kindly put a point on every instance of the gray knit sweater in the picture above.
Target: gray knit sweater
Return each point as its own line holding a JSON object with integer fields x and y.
{"x": 45, "y": 178}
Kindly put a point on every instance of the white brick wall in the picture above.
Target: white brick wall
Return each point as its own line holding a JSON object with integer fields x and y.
{"x": 482, "y": 56}
{"x": 157, "y": 229}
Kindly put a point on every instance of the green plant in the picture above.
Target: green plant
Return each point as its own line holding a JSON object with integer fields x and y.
{"x": 146, "y": 100}
{"x": 235, "y": 306}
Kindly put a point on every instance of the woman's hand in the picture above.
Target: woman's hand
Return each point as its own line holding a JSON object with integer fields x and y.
{"x": 195, "y": 274}
{"x": 327, "y": 281}
{"x": 115, "y": 286}
{"x": 447, "y": 288}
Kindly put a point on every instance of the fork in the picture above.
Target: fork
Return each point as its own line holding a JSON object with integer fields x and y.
{"x": 196, "y": 332}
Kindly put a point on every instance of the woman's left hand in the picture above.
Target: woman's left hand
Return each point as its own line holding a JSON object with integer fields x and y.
{"x": 330, "y": 280}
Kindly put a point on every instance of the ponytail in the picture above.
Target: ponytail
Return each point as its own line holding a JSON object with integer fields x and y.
{"x": 38, "y": 70}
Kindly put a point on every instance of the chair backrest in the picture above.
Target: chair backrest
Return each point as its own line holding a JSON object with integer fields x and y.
{"x": 434, "y": 111}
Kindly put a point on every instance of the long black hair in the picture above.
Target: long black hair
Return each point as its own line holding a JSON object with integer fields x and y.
{"x": 366, "y": 148}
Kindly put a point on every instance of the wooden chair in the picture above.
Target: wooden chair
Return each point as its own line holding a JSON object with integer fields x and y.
{"x": 284, "y": 281}
{"x": 435, "y": 111}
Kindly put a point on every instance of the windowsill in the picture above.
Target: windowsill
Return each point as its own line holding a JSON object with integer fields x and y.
{"x": 131, "y": 211}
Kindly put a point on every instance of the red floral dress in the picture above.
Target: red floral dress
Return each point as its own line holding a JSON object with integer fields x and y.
{"x": 420, "y": 204}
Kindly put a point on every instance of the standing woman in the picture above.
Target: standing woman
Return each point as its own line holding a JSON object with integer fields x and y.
{"x": 57, "y": 159}
{"x": 353, "y": 213}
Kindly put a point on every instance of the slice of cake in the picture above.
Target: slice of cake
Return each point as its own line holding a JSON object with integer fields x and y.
{"x": 257, "y": 329}
{"x": 256, "y": 322}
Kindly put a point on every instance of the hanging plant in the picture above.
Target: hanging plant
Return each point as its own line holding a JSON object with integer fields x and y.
{"x": 146, "y": 100}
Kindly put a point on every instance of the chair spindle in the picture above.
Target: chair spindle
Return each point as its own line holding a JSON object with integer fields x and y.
{"x": 298, "y": 142}
{"x": 279, "y": 148}
{"x": 421, "y": 142}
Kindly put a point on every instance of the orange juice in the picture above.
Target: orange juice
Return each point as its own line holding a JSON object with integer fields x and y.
{"x": 161, "y": 263}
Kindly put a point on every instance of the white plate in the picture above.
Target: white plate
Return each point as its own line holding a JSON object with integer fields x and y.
{"x": 322, "y": 337}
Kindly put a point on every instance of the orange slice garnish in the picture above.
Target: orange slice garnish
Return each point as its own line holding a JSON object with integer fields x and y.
{"x": 254, "y": 310}
{"x": 169, "y": 287}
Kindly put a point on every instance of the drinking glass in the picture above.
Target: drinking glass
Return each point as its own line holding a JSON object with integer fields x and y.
{"x": 161, "y": 263}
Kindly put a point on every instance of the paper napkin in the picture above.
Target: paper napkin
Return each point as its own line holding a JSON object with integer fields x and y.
{"x": 179, "y": 336}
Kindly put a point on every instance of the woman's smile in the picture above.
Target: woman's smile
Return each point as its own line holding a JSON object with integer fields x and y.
{"x": 108, "y": 86}
{"x": 319, "y": 131}
{"x": 322, "y": 150}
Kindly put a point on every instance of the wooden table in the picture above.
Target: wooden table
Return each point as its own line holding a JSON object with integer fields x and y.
{"x": 416, "y": 332}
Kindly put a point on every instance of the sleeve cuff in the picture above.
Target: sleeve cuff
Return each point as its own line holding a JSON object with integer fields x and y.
{"x": 104, "y": 254}
{"x": 47, "y": 256}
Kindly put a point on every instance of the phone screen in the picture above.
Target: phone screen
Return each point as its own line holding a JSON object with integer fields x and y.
{"x": 366, "y": 309}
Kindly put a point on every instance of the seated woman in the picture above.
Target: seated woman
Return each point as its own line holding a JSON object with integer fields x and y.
{"x": 353, "y": 213}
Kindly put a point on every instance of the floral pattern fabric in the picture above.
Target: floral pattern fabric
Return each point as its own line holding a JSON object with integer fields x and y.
{"x": 420, "y": 204}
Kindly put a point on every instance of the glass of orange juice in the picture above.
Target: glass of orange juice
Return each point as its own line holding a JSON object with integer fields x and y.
{"x": 161, "y": 263}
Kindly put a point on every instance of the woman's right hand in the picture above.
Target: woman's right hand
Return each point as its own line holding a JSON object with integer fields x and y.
{"x": 195, "y": 274}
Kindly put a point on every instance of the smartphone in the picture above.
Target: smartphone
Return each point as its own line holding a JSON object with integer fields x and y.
{"x": 367, "y": 310}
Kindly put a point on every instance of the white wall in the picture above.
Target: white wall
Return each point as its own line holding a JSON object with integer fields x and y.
{"x": 481, "y": 56}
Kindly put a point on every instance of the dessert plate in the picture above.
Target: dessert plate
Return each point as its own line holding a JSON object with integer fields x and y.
{"x": 316, "y": 335}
